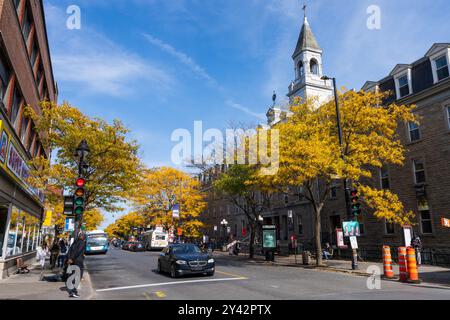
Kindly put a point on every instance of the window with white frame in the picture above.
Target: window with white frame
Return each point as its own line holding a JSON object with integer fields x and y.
{"x": 441, "y": 67}
{"x": 403, "y": 86}
{"x": 426, "y": 224}
{"x": 414, "y": 131}
{"x": 419, "y": 171}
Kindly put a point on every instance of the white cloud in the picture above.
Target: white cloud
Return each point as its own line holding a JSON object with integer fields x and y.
{"x": 95, "y": 64}
{"x": 246, "y": 110}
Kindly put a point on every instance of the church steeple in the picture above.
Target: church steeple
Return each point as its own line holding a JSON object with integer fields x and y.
{"x": 306, "y": 40}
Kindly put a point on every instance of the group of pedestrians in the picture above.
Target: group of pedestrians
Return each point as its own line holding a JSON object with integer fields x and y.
{"x": 62, "y": 255}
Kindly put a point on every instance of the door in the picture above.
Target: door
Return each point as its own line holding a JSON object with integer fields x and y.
{"x": 335, "y": 222}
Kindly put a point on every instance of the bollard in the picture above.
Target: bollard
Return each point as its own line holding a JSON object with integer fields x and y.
{"x": 387, "y": 262}
{"x": 412, "y": 266}
{"x": 402, "y": 264}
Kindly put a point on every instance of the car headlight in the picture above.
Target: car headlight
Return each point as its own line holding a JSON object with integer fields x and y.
{"x": 211, "y": 261}
{"x": 181, "y": 262}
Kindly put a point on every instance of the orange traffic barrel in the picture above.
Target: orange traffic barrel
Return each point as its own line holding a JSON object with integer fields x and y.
{"x": 412, "y": 266}
{"x": 403, "y": 268}
{"x": 387, "y": 262}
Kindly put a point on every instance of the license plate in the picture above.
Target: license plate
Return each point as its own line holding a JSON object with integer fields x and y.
{"x": 97, "y": 248}
{"x": 196, "y": 268}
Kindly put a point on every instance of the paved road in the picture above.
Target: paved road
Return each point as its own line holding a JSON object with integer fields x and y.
{"x": 128, "y": 275}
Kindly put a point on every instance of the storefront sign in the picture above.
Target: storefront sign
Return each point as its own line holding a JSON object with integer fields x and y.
{"x": 16, "y": 166}
{"x": 269, "y": 237}
{"x": 351, "y": 228}
{"x": 445, "y": 222}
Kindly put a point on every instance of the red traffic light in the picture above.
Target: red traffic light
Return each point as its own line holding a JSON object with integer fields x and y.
{"x": 354, "y": 193}
{"x": 80, "y": 182}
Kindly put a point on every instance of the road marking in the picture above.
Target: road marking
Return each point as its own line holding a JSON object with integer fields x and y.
{"x": 230, "y": 274}
{"x": 147, "y": 296}
{"x": 169, "y": 283}
{"x": 160, "y": 294}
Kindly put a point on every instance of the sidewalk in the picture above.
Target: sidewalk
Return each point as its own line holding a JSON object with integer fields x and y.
{"x": 430, "y": 276}
{"x": 29, "y": 287}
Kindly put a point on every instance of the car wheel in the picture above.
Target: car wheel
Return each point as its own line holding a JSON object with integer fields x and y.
{"x": 173, "y": 271}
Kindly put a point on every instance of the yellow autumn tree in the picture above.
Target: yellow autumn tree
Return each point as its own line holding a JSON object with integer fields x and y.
{"x": 310, "y": 153}
{"x": 122, "y": 227}
{"x": 161, "y": 189}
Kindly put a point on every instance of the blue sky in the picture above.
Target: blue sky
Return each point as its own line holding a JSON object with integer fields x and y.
{"x": 159, "y": 65}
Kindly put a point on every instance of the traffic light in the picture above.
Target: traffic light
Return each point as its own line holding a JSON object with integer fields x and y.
{"x": 354, "y": 203}
{"x": 79, "y": 196}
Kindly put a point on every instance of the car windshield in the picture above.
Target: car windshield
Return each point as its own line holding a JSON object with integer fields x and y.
{"x": 189, "y": 249}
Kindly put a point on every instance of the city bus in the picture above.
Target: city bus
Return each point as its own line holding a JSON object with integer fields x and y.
{"x": 156, "y": 239}
{"x": 97, "y": 242}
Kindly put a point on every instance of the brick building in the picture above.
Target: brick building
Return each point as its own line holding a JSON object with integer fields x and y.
{"x": 26, "y": 78}
{"x": 422, "y": 184}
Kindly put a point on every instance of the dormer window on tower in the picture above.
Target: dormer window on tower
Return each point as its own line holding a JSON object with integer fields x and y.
{"x": 301, "y": 69}
{"x": 403, "y": 80}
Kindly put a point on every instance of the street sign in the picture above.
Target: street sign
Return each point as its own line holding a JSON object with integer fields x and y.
{"x": 68, "y": 205}
{"x": 353, "y": 242}
{"x": 445, "y": 222}
{"x": 351, "y": 228}
{"x": 70, "y": 224}
{"x": 269, "y": 237}
{"x": 176, "y": 211}
{"x": 290, "y": 214}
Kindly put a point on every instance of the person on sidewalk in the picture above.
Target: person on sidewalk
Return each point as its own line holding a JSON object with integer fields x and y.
{"x": 42, "y": 253}
{"x": 327, "y": 251}
{"x": 75, "y": 256}
{"x": 54, "y": 253}
{"x": 416, "y": 243}
{"x": 62, "y": 253}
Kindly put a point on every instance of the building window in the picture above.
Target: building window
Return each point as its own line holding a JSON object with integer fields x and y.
{"x": 390, "y": 227}
{"x": 314, "y": 66}
{"x": 403, "y": 86}
{"x": 441, "y": 67}
{"x": 448, "y": 116}
{"x": 15, "y": 107}
{"x": 23, "y": 129}
{"x": 424, "y": 215}
{"x": 34, "y": 53}
{"x": 286, "y": 199}
{"x": 414, "y": 131}
{"x": 419, "y": 171}
{"x": 384, "y": 177}
{"x": 26, "y": 25}
{"x": 300, "y": 225}
{"x": 5, "y": 75}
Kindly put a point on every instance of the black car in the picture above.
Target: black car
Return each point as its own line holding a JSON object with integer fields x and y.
{"x": 183, "y": 259}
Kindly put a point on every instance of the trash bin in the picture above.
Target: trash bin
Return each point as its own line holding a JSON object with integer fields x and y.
{"x": 306, "y": 255}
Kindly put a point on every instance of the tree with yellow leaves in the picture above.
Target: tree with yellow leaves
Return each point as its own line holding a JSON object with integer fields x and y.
{"x": 160, "y": 190}
{"x": 310, "y": 153}
{"x": 122, "y": 227}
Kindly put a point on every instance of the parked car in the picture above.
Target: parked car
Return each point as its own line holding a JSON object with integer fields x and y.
{"x": 126, "y": 245}
{"x": 183, "y": 259}
{"x": 136, "y": 246}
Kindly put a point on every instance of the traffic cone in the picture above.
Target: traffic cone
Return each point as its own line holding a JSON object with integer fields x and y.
{"x": 412, "y": 266}
{"x": 387, "y": 262}
{"x": 403, "y": 268}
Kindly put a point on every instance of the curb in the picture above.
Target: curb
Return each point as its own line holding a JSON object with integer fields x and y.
{"x": 87, "y": 278}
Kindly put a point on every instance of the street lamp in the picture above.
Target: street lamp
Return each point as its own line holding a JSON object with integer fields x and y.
{"x": 224, "y": 224}
{"x": 347, "y": 198}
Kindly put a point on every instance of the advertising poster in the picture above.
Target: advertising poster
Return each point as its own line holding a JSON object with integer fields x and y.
{"x": 3, "y": 145}
{"x": 351, "y": 228}
{"x": 269, "y": 237}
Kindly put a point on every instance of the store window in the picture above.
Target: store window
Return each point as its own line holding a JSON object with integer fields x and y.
{"x": 23, "y": 233}
{"x": 3, "y": 222}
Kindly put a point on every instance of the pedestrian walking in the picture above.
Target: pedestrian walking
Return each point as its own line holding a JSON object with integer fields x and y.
{"x": 54, "y": 253}
{"x": 75, "y": 256}
{"x": 416, "y": 243}
{"x": 41, "y": 255}
{"x": 62, "y": 252}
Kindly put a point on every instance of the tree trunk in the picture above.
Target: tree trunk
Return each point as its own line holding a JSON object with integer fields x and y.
{"x": 318, "y": 236}
{"x": 252, "y": 242}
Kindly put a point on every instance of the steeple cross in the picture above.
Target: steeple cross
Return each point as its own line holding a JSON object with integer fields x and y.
{"x": 304, "y": 8}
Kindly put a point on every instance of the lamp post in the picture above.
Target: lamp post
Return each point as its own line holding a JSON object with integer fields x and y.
{"x": 224, "y": 224}
{"x": 345, "y": 181}
{"x": 81, "y": 154}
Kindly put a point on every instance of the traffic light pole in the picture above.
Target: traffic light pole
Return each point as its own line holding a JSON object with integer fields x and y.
{"x": 345, "y": 181}
{"x": 79, "y": 218}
